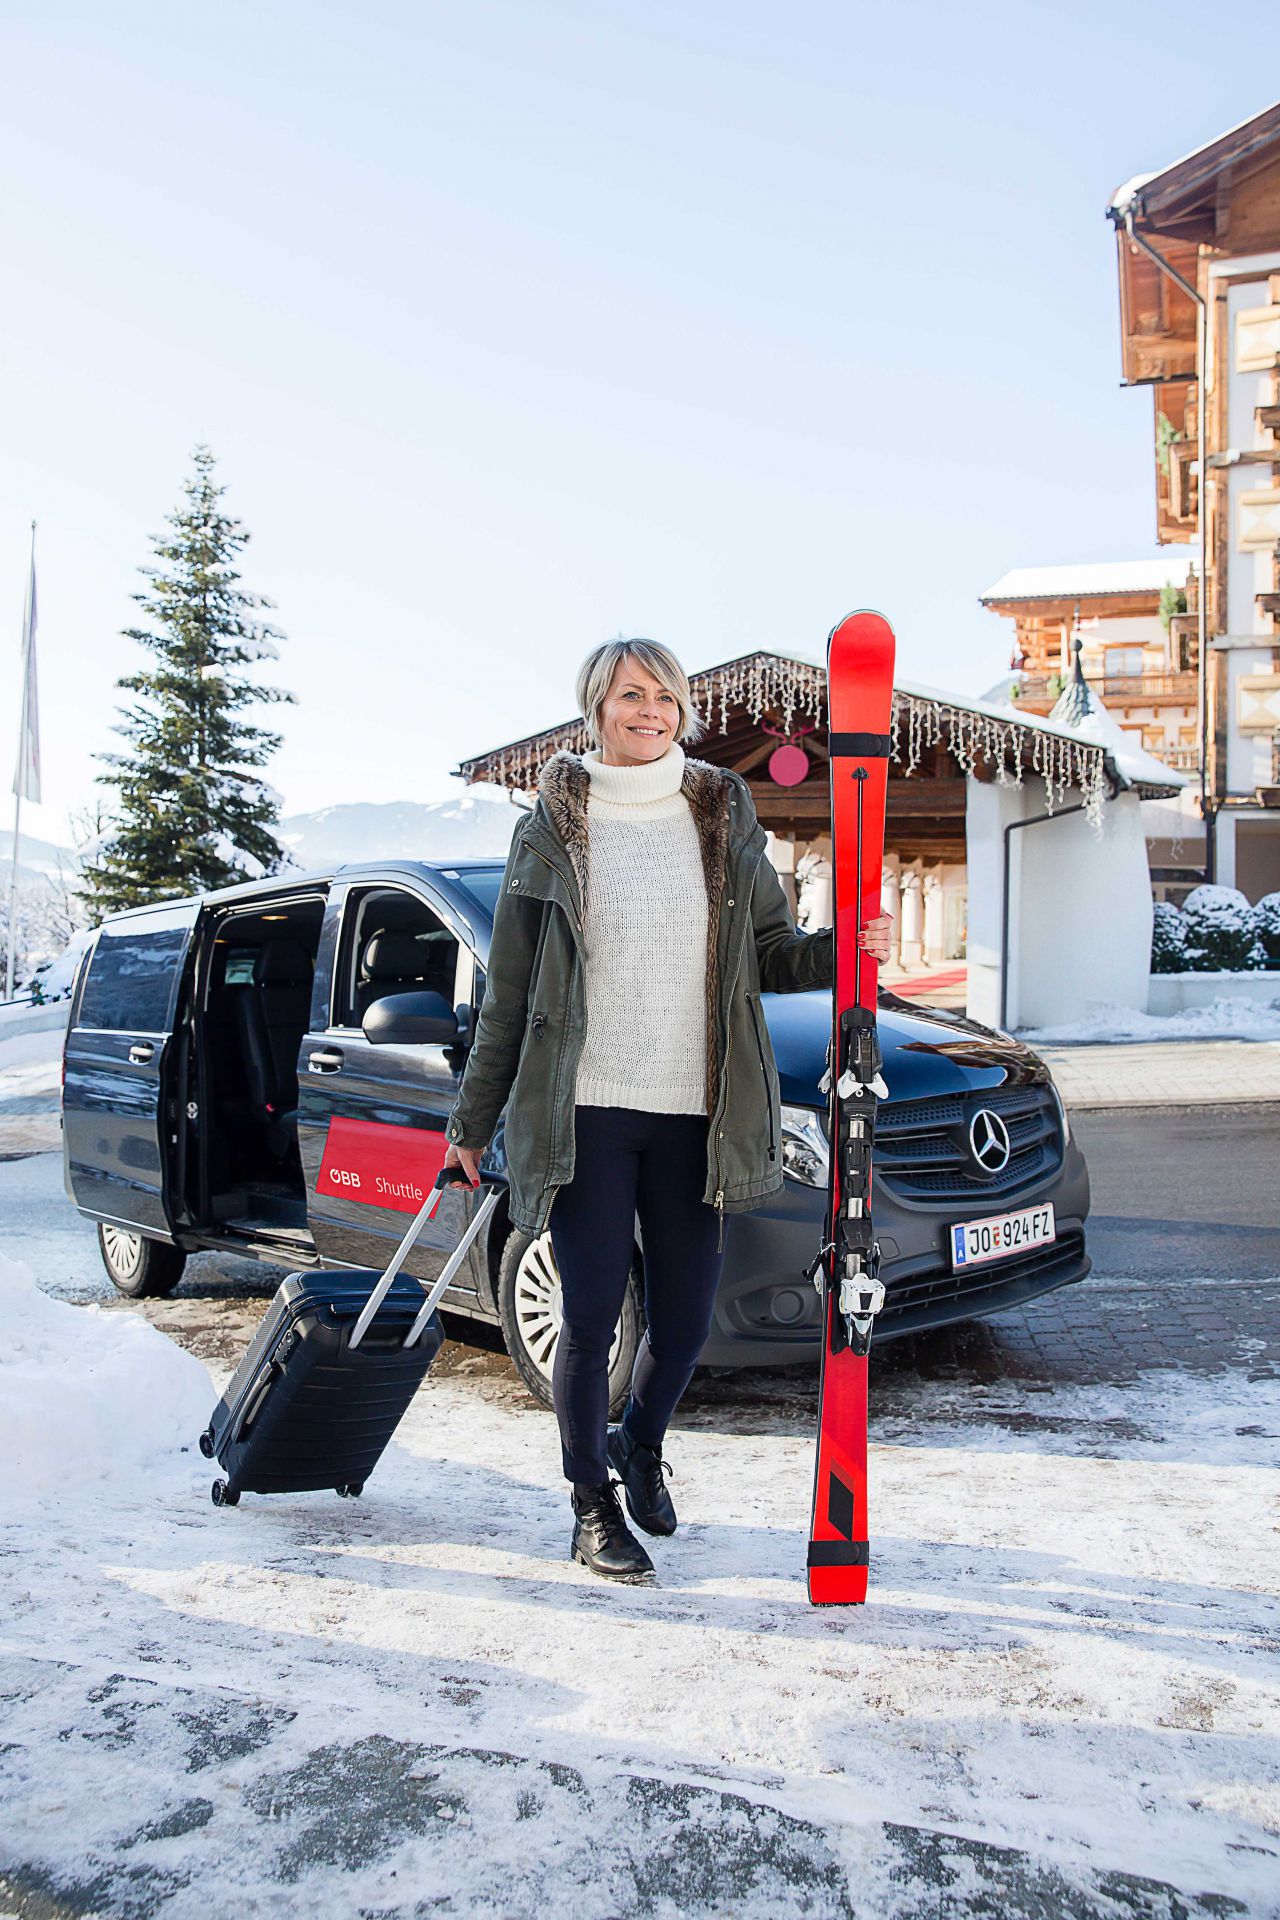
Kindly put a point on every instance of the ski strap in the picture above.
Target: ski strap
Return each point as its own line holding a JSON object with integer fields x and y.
{"x": 860, "y": 746}
{"x": 838, "y": 1553}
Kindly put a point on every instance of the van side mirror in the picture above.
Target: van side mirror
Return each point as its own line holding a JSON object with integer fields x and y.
{"x": 419, "y": 1019}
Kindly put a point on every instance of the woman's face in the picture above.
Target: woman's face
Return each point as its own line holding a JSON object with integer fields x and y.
{"x": 639, "y": 719}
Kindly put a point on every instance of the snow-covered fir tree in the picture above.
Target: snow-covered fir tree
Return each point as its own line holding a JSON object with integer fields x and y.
{"x": 193, "y": 812}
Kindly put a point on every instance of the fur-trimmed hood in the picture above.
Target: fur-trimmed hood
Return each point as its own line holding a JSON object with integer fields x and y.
{"x": 564, "y": 786}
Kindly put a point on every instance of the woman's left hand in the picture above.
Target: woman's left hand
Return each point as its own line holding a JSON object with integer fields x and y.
{"x": 877, "y": 935}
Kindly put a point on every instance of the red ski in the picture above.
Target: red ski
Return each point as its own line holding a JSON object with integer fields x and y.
{"x": 859, "y": 702}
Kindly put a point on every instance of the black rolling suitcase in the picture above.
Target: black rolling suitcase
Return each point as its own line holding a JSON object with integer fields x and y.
{"x": 331, "y": 1370}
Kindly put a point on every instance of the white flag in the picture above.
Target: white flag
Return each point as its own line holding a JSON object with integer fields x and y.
{"x": 26, "y": 779}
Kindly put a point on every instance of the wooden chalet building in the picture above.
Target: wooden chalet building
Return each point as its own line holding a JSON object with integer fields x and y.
{"x": 1198, "y": 257}
{"x": 1132, "y": 657}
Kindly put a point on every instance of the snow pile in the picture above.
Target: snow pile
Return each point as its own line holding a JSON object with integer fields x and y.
{"x": 30, "y": 1062}
{"x": 1221, "y": 1019}
{"x": 88, "y": 1395}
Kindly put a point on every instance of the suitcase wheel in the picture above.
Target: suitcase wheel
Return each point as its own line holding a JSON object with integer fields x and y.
{"x": 222, "y": 1496}
{"x": 206, "y": 1444}
{"x": 352, "y": 1492}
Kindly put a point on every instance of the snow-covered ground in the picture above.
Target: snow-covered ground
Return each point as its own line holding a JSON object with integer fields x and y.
{"x": 1223, "y": 1019}
{"x": 416, "y": 1703}
{"x": 30, "y": 1062}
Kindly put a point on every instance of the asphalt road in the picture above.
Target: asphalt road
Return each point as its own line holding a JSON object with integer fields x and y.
{"x": 1184, "y": 1192}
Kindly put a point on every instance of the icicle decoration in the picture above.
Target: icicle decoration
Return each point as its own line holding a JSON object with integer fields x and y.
{"x": 770, "y": 683}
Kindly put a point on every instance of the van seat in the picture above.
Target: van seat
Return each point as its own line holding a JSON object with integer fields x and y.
{"x": 395, "y": 960}
{"x": 271, "y": 1018}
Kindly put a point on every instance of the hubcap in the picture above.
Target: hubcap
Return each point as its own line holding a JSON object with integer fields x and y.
{"x": 538, "y": 1307}
{"x": 123, "y": 1250}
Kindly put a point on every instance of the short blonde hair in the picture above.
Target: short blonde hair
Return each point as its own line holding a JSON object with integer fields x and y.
{"x": 595, "y": 677}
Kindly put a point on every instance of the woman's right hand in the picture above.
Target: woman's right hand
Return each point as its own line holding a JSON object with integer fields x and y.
{"x": 468, "y": 1158}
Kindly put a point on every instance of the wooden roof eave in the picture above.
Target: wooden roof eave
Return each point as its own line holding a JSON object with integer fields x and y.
{"x": 1062, "y": 606}
{"x": 1182, "y": 198}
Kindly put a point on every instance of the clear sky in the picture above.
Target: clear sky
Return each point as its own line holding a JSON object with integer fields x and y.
{"x": 516, "y": 326}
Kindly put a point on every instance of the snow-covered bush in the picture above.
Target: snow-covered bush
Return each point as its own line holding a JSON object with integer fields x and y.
{"x": 1168, "y": 939}
{"x": 53, "y": 979}
{"x": 1266, "y": 928}
{"x": 1219, "y": 930}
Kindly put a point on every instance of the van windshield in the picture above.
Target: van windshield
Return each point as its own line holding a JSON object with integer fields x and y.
{"x": 482, "y": 883}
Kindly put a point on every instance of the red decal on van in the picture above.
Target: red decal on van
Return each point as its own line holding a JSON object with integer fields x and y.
{"x": 381, "y": 1166}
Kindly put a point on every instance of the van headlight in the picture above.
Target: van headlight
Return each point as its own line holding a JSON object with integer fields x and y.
{"x": 1061, "y": 1105}
{"x": 804, "y": 1146}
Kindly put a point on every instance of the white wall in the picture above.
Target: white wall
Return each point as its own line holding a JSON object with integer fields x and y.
{"x": 1080, "y": 907}
{"x": 1180, "y": 992}
{"x": 1248, "y": 754}
{"x": 1124, "y": 629}
{"x": 988, "y": 810}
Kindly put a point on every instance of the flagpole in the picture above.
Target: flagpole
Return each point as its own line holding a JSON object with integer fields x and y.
{"x": 20, "y": 779}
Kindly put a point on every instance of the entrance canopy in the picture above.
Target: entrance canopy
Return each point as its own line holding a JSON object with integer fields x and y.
{"x": 761, "y": 702}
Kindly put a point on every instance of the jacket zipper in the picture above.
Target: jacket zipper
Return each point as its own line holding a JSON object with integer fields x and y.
{"x": 724, "y": 1074}
{"x": 724, "y": 1068}
{"x": 752, "y": 998}
{"x": 541, "y": 1017}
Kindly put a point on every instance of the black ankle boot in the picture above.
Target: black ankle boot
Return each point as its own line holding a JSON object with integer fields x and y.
{"x": 602, "y": 1540}
{"x": 641, "y": 1471}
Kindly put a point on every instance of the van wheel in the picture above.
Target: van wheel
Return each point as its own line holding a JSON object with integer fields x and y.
{"x": 140, "y": 1268}
{"x": 529, "y": 1307}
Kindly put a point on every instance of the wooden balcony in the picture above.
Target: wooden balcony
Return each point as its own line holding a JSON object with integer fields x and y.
{"x": 1122, "y": 690}
{"x": 1149, "y": 689}
{"x": 1184, "y": 641}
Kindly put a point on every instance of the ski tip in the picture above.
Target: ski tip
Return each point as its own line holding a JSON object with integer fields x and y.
{"x": 859, "y": 613}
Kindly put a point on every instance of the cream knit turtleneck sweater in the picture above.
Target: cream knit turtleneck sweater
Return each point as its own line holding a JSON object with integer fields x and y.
{"x": 645, "y": 929}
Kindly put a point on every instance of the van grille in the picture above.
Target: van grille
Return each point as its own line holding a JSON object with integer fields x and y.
{"x": 922, "y": 1150}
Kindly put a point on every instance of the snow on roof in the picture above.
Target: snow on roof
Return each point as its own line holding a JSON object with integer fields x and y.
{"x": 1122, "y": 196}
{"x": 1080, "y": 579}
{"x": 1260, "y": 125}
{"x": 1134, "y": 767}
{"x": 1079, "y": 709}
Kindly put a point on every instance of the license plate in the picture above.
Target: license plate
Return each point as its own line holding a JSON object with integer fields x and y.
{"x": 1001, "y": 1235}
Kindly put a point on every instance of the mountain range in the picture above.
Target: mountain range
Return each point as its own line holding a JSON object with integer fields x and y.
{"x": 476, "y": 824}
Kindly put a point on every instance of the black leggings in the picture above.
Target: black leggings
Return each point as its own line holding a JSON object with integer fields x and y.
{"x": 628, "y": 1162}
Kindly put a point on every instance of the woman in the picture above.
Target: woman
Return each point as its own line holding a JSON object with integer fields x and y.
{"x": 637, "y": 925}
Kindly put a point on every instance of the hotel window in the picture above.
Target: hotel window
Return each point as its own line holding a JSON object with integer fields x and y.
{"x": 1122, "y": 663}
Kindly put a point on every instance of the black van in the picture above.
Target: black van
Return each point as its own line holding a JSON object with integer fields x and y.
{"x": 268, "y": 1069}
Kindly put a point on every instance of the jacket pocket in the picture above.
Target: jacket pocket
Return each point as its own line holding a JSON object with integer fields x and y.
{"x": 753, "y": 1001}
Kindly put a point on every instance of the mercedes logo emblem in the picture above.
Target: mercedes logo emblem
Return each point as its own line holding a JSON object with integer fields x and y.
{"x": 989, "y": 1141}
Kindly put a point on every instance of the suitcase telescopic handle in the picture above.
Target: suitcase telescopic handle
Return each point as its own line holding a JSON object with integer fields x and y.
{"x": 447, "y": 1177}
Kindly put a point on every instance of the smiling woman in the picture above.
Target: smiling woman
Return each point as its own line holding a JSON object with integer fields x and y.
{"x": 637, "y": 924}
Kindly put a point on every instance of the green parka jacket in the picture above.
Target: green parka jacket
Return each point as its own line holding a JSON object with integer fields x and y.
{"x": 532, "y": 1019}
